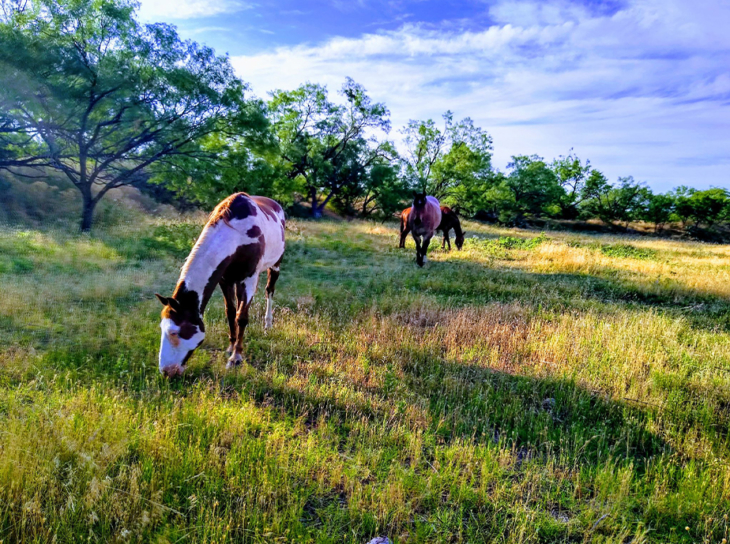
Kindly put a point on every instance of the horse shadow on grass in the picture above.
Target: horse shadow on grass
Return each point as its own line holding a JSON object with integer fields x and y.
{"x": 544, "y": 421}
{"x": 457, "y": 283}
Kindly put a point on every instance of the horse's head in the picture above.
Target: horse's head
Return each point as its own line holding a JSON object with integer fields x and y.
{"x": 419, "y": 199}
{"x": 459, "y": 241}
{"x": 182, "y": 333}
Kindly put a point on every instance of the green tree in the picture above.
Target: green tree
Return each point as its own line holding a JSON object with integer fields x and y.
{"x": 102, "y": 97}
{"x": 572, "y": 174}
{"x": 622, "y": 202}
{"x": 246, "y": 163}
{"x": 533, "y": 186}
{"x": 369, "y": 181}
{"x": 658, "y": 210}
{"x": 453, "y": 164}
{"x": 701, "y": 207}
{"x": 315, "y": 137}
{"x": 385, "y": 193}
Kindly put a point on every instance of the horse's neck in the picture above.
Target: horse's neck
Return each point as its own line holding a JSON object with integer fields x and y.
{"x": 202, "y": 269}
{"x": 457, "y": 225}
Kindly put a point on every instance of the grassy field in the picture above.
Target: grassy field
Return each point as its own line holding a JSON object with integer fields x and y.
{"x": 551, "y": 388}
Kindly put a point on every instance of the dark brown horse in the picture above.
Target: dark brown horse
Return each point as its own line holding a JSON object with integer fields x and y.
{"x": 243, "y": 237}
{"x": 421, "y": 220}
{"x": 449, "y": 220}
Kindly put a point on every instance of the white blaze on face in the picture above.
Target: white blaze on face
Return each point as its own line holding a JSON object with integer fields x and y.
{"x": 174, "y": 349}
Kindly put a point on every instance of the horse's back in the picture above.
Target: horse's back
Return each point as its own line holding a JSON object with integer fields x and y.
{"x": 273, "y": 226}
{"x": 253, "y": 220}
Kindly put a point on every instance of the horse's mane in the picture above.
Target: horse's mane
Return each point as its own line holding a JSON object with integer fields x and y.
{"x": 223, "y": 210}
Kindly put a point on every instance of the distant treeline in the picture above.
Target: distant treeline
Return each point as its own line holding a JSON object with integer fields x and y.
{"x": 89, "y": 92}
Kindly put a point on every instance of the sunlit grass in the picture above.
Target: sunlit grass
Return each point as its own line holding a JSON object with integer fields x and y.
{"x": 565, "y": 388}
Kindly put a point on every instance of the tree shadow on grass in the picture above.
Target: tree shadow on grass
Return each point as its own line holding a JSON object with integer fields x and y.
{"x": 461, "y": 283}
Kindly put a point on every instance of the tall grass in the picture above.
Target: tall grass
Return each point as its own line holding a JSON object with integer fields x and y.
{"x": 546, "y": 388}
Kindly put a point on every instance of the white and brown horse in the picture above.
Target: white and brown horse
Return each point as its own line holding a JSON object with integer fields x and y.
{"x": 243, "y": 237}
{"x": 421, "y": 220}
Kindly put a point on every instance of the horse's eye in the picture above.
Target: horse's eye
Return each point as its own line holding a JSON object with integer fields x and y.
{"x": 173, "y": 334}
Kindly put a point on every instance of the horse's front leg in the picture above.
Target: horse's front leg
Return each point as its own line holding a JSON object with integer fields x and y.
{"x": 246, "y": 291}
{"x": 424, "y": 249}
{"x": 229, "y": 299}
{"x": 417, "y": 239}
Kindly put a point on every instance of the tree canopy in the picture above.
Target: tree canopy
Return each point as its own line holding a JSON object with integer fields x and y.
{"x": 88, "y": 91}
{"x": 449, "y": 162}
{"x": 102, "y": 97}
{"x": 318, "y": 138}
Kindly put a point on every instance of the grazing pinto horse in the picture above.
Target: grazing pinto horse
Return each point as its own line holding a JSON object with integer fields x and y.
{"x": 421, "y": 220}
{"x": 449, "y": 220}
{"x": 243, "y": 237}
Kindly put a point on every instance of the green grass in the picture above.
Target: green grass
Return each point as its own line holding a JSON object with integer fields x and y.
{"x": 551, "y": 388}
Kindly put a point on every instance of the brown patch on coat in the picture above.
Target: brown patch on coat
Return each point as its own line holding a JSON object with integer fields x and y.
{"x": 236, "y": 206}
{"x": 269, "y": 207}
{"x": 182, "y": 307}
{"x": 253, "y": 232}
{"x": 187, "y": 330}
{"x": 235, "y": 268}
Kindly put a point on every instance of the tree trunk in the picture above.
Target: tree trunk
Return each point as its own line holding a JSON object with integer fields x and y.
{"x": 87, "y": 214}
{"x": 316, "y": 211}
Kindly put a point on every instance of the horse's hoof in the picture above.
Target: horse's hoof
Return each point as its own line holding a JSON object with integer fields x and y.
{"x": 235, "y": 360}
{"x": 268, "y": 324}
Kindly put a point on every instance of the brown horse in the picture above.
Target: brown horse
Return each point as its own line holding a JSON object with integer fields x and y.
{"x": 449, "y": 220}
{"x": 243, "y": 237}
{"x": 421, "y": 220}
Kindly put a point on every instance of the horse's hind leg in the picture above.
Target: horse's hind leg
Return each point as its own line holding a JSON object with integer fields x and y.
{"x": 245, "y": 291}
{"x": 273, "y": 275}
{"x": 404, "y": 230}
{"x": 229, "y": 298}
{"x": 446, "y": 240}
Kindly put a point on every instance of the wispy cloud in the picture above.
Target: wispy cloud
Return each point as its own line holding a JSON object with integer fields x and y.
{"x": 635, "y": 88}
{"x": 154, "y": 10}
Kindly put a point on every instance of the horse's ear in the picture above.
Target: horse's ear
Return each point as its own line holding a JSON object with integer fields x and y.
{"x": 163, "y": 300}
{"x": 415, "y": 194}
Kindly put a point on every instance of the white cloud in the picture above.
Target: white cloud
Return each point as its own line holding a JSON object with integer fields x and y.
{"x": 158, "y": 10}
{"x": 642, "y": 91}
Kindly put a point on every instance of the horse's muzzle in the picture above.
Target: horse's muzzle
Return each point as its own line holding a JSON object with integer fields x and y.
{"x": 172, "y": 371}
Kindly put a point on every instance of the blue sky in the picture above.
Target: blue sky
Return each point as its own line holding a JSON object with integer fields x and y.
{"x": 639, "y": 87}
